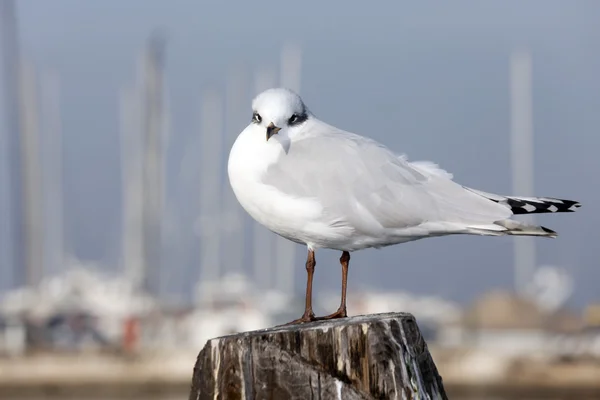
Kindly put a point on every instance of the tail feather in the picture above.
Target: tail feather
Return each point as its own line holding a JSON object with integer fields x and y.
{"x": 517, "y": 228}
{"x": 524, "y": 205}
{"x": 531, "y": 205}
{"x": 511, "y": 227}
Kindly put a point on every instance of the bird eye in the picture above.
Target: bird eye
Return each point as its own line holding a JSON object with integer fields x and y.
{"x": 293, "y": 119}
{"x": 256, "y": 118}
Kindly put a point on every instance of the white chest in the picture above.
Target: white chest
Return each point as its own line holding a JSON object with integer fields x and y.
{"x": 249, "y": 161}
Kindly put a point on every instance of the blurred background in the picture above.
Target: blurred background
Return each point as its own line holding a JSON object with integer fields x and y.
{"x": 123, "y": 249}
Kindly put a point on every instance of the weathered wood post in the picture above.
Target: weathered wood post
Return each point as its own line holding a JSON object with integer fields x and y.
{"x": 381, "y": 356}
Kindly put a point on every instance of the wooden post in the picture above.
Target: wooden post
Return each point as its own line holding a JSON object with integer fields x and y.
{"x": 381, "y": 356}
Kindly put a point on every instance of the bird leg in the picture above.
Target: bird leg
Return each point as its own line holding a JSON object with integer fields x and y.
{"x": 310, "y": 270}
{"x": 341, "y": 311}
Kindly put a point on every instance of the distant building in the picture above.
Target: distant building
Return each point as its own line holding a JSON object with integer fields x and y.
{"x": 510, "y": 323}
{"x": 12, "y": 243}
{"x": 592, "y": 316}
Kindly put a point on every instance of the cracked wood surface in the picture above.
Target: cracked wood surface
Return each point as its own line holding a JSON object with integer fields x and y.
{"x": 380, "y": 356}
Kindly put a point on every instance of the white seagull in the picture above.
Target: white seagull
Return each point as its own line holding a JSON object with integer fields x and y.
{"x": 318, "y": 185}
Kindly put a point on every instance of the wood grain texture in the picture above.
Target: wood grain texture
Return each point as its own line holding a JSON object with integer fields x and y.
{"x": 381, "y": 356}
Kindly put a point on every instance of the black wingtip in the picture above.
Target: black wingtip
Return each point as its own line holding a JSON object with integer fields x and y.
{"x": 550, "y": 232}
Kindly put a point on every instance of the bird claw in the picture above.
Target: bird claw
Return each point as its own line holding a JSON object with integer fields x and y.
{"x": 307, "y": 317}
{"x": 340, "y": 313}
{"x": 310, "y": 317}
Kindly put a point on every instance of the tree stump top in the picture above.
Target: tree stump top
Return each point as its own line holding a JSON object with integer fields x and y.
{"x": 380, "y": 356}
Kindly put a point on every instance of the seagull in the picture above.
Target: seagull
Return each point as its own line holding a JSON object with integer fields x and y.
{"x": 323, "y": 187}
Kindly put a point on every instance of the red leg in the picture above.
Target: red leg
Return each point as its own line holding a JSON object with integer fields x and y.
{"x": 341, "y": 311}
{"x": 310, "y": 270}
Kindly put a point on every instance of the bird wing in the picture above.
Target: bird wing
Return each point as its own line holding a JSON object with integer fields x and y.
{"x": 362, "y": 184}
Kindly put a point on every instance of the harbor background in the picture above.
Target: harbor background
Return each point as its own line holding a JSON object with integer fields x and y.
{"x": 123, "y": 248}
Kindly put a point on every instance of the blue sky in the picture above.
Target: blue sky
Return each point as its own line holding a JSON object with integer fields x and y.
{"x": 428, "y": 79}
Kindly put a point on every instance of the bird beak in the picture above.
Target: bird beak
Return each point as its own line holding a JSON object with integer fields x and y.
{"x": 271, "y": 130}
